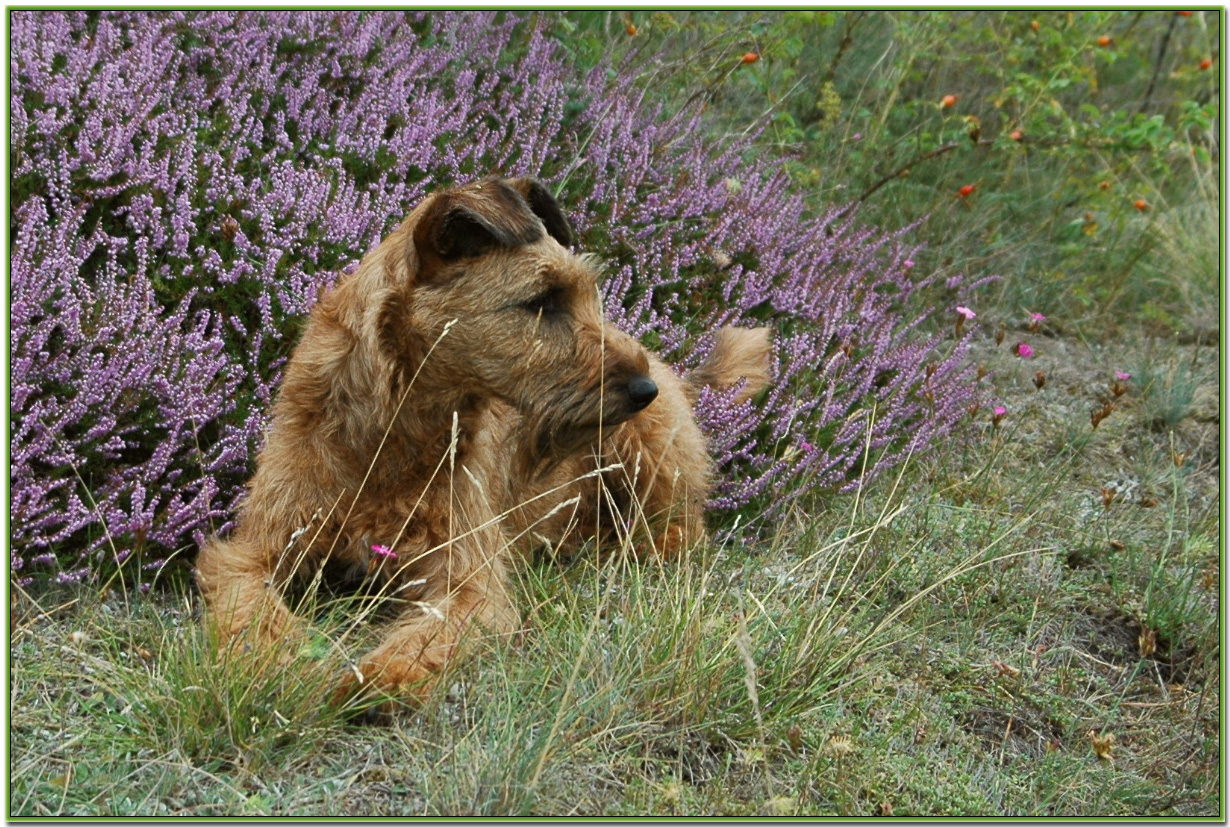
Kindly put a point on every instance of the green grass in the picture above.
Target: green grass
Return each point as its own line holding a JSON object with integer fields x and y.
{"x": 941, "y": 644}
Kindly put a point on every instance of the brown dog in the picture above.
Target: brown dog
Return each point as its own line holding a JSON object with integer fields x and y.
{"x": 456, "y": 401}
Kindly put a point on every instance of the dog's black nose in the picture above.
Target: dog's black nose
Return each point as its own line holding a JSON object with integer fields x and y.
{"x": 642, "y": 391}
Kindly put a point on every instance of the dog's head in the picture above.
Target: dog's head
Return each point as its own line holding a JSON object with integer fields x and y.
{"x": 490, "y": 261}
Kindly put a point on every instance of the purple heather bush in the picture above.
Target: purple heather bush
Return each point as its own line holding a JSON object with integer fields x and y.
{"x": 183, "y": 184}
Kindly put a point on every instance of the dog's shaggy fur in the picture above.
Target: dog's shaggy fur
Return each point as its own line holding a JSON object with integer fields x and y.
{"x": 457, "y": 401}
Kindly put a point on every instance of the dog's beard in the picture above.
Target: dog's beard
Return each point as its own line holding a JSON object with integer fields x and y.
{"x": 545, "y": 439}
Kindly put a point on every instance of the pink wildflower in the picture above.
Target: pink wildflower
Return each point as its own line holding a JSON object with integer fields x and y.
{"x": 384, "y": 551}
{"x": 963, "y": 313}
{"x": 997, "y": 413}
{"x": 1023, "y": 350}
{"x": 1122, "y": 376}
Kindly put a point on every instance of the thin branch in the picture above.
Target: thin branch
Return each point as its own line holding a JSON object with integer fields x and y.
{"x": 1044, "y": 143}
{"x": 847, "y": 40}
{"x": 906, "y": 167}
{"x": 1157, "y": 69}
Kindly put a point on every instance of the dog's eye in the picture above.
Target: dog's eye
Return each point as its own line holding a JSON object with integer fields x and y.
{"x": 549, "y": 302}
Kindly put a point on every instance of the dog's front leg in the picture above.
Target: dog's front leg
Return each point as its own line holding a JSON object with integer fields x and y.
{"x": 664, "y": 469}
{"x": 434, "y": 632}
{"x": 242, "y": 597}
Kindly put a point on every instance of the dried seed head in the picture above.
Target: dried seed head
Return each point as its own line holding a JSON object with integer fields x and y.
{"x": 1005, "y": 670}
{"x": 1098, "y": 414}
{"x": 1102, "y": 745}
{"x": 839, "y": 746}
{"x": 1147, "y": 640}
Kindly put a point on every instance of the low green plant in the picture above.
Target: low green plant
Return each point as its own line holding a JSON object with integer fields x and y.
{"x": 1042, "y": 146}
{"x": 1184, "y": 264}
{"x": 903, "y": 655}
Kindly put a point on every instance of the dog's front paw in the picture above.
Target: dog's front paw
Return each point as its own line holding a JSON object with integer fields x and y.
{"x": 378, "y": 686}
{"x": 359, "y": 702}
{"x": 670, "y": 542}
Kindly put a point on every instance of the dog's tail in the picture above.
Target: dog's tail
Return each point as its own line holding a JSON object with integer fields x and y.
{"x": 738, "y": 355}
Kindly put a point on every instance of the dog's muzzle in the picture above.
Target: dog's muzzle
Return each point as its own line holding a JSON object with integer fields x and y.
{"x": 641, "y": 391}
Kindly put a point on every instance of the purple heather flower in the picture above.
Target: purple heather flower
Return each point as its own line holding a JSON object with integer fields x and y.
{"x": 230, "y": 165}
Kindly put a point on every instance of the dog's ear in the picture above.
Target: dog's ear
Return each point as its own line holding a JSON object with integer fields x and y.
{"x": 470, "y": 221}
{"x": 544, "y": 205}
